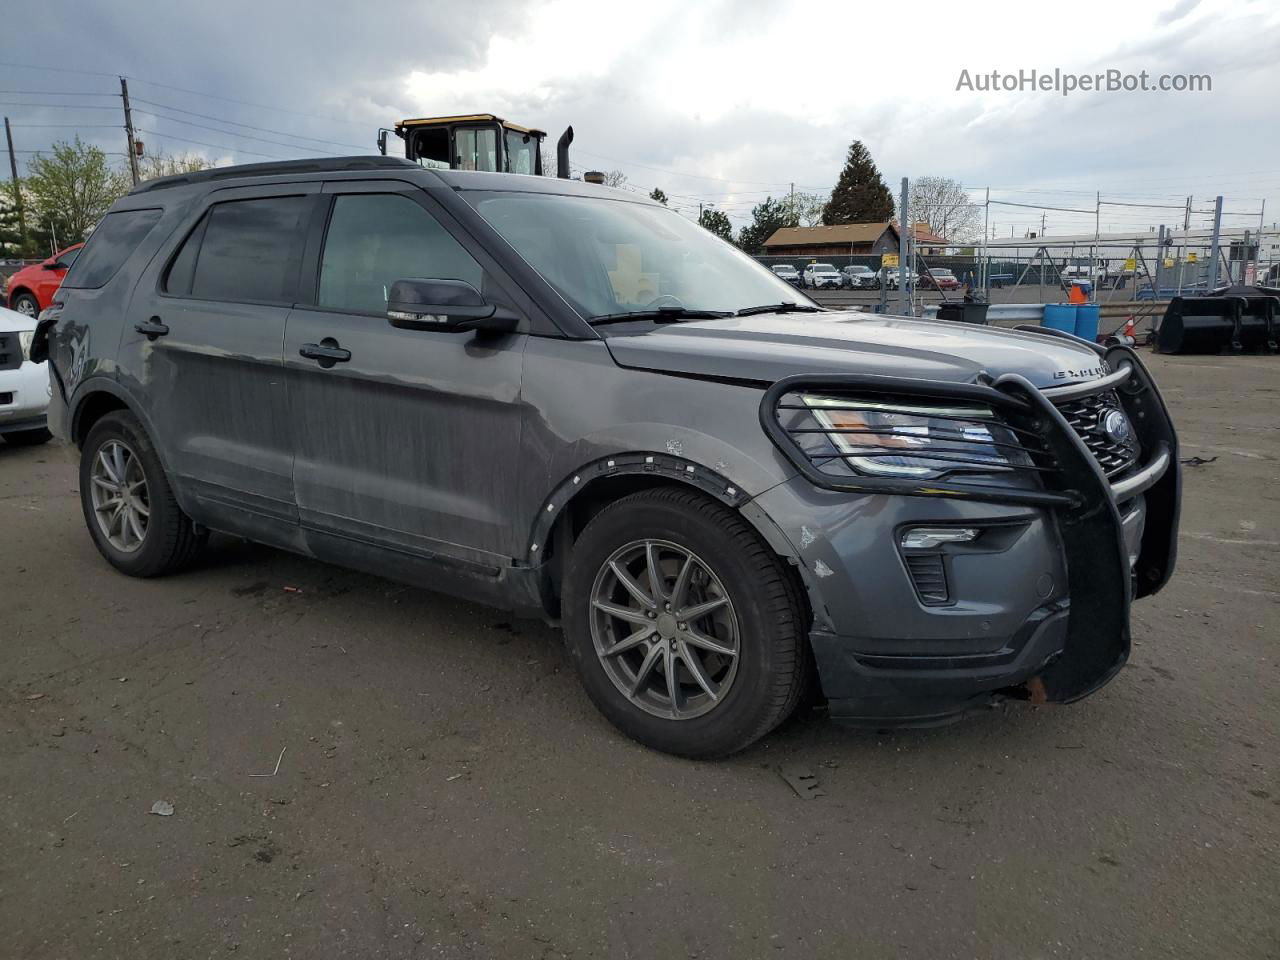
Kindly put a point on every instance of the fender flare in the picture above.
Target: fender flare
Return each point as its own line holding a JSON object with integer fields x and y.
{"x": 658, "y": 465}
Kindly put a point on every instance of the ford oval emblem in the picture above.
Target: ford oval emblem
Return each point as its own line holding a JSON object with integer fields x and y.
{"x": 1115, "y": 425}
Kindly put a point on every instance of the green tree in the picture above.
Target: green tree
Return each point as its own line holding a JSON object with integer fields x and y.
{"x": 717, "y": 222}
{"x": 72, "y": 188}
{"x": 766, "y": 219}
{"x": 659, "y": 196}
{"x": 860, "y": 195}
{"x": 12, "y": 241}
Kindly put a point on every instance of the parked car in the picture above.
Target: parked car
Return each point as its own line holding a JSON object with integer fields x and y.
{"x": 891, "y": 277}
{"x": 856, "y": 276}
{"x": 821, "y": 276}
{"x": 787, "y": 273}
{"x": 714, "y": 489}
{"x": 24, "y": 385}
{"x": 939, "y": 278}
{"x": 31, "y": 289}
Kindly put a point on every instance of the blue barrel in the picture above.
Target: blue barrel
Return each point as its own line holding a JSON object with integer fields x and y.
{"x": 1087, "y": 315}
{"x": 1060, "y": 316}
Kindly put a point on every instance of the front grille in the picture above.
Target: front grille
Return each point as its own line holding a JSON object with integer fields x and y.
{"x": 1086, "y": 415}
{"x": 10, "y": 351}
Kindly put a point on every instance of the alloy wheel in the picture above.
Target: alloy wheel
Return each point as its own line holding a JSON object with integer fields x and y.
{"x": 119, "y": 496}
{"x": 665, "y": 629}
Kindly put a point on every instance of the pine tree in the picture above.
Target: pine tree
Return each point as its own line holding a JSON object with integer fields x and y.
{"x": 659, "y": 196}
{"x": 717, "y": 222}
{"x": 860, "y": 195}
{"x": 766, "y": 219}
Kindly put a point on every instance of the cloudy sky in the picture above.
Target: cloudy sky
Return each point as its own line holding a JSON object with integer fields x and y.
{"x": 714, "y": 102}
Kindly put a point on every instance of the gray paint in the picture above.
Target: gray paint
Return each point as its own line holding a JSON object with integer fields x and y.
{"x": 445, "y": 458}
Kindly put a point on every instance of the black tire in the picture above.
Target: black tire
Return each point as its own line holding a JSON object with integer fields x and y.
{"x": 28, "y": 438}
{"x": 774, "y": 666}
{"x": 29, "y": 301}
{"x": 171, "y": 541}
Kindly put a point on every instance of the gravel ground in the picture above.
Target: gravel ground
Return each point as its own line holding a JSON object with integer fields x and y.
{"x": 359, "y": 769}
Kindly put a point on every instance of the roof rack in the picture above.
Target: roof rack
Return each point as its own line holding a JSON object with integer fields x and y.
{"x": 317, "y": 165}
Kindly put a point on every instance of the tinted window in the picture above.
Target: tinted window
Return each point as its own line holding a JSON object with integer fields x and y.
{"x": 117, "y": 236}
{"x": 247, "y": 250}
{"x": 376, "y": 239}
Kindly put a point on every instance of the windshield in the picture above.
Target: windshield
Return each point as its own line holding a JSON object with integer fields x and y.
{"x": 823, "y": 268}
{"x": 607, "y": 256}
{"x": 939, "y": 272}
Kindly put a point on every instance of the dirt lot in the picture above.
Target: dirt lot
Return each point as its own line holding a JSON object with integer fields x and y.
{"x": 446, "y": 790}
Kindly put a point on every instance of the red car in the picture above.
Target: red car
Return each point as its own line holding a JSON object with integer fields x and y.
{"x": 31, "y": 289}
{"x": 939, "y": 280}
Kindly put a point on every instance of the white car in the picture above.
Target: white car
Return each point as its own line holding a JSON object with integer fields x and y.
{"x": 24, "y": 386}
{"x": 819, "y": 276}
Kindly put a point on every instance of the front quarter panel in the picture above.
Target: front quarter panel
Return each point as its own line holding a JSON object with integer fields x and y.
{"x": 582, "y": 407}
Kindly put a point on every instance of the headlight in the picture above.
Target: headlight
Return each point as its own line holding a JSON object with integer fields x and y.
{"x": 889, "y": 439}
{"x": 25, "y": 339}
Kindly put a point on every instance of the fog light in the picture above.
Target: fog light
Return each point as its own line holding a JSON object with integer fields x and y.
{"x": 929, "y": 538}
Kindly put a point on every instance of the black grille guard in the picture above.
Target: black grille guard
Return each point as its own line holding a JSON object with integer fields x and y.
{"x": 1084, "y": 504}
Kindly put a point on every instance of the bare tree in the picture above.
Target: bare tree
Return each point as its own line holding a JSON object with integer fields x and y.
{"x": 615, "y": 178}
{"x": 804, "y": 209}
{"x": 945, "y": 206}
{"x": 166, "y": 165}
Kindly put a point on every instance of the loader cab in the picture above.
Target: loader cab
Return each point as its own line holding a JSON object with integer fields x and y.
{"x": 473, "y": 142}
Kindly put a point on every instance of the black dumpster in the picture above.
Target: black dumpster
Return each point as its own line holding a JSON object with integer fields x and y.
{"x": 963, "y": 312}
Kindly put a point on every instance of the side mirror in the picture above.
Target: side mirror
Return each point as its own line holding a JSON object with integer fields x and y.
{"x": 449, "y": 306}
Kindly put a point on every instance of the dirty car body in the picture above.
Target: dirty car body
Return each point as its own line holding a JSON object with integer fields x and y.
{"x": 952, "y": 512}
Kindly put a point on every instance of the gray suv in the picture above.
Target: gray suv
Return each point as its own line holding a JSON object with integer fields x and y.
{"x": 574, "y": 403}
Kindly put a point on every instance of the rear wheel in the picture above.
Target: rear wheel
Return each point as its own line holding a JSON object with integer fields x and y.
{"x": 685, "y": 628}
{"x": 129, "y": 507}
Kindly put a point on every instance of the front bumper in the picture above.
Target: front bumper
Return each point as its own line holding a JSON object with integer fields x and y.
{"x": 24, "y": 397}
{"x": 1039, "y": 611}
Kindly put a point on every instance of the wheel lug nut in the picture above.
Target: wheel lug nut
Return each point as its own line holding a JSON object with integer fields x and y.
{"x": 680, "y": 626}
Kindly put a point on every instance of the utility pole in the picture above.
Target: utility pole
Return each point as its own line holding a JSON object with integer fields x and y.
{"x": 1186, "y": 242}
{"x": 1213, "y": 249}
{"x": 17, "y": 190}
{"x": 793, "y": 203}
{"x": 1094, "y": 257}
{"x": 903, "y": 297}
{"x": 1042, "y": 216}
{"x": 984, "y": 268}
{"x": 1159, "y": 263}
{"x": 128, "y": 129}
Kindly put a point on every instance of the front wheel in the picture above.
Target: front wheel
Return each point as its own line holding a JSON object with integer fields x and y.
{"x": 687, "y": 631}
{"x": 129, "y": 507}
{"x": 27, "y": 305}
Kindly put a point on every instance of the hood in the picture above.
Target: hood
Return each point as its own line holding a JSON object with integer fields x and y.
{"x": 768, "y": 347}
{"x": 11, "y": 321}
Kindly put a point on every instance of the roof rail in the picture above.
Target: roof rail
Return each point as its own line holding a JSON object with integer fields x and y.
{"x": 317, "y": 165}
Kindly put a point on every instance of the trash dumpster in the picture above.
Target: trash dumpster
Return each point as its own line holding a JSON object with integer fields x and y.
{"x": 963, "y": 312}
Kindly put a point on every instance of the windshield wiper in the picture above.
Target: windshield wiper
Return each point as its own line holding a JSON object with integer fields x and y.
{"x": 787, "y": 307}
{"x": 661, "y": 314}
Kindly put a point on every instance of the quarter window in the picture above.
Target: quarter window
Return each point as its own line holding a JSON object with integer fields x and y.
{"x": 375, "y": 239}
{"x": 109, "y": 246}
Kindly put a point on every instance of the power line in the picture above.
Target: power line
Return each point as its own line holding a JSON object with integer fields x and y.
{"x": 233, "y": 133}
{"x": 215, "y": 146}
{"x": 237, "y": 123}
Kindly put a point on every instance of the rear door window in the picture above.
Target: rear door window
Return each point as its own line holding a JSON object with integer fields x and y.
{"x": 243, "y": 251}
{"x": 109, "y": 246}
{"x": 375, "y": 239}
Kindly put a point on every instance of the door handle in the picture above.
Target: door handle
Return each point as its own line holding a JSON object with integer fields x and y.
{"x": 152, "y": 329}
{"x": 326, "y": 353}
